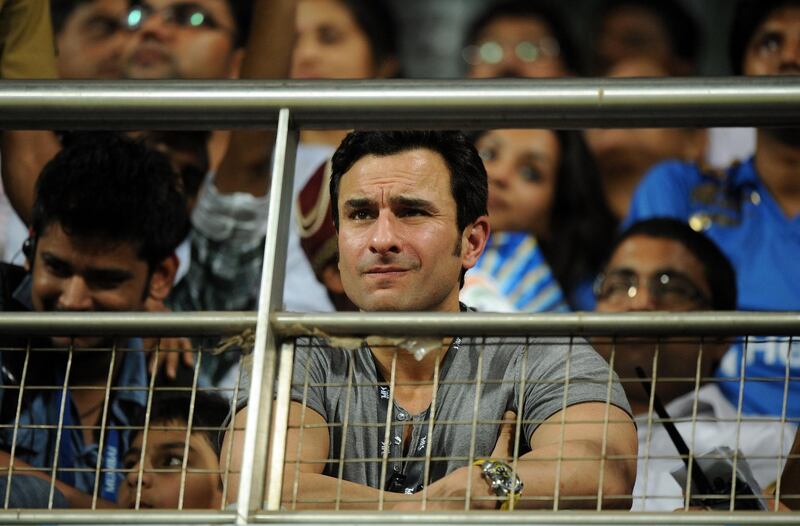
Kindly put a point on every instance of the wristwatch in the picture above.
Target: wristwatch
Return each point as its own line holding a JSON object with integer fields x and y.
{"x": 499, "y": 476}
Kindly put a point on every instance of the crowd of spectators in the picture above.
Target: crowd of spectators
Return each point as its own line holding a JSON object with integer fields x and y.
{"x": 604, "y": 219}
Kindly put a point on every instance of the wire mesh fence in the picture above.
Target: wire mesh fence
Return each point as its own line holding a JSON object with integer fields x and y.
{"x": 353, "y": 429}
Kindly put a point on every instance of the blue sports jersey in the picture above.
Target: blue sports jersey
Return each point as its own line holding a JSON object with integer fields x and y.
{"x": 736, "y": 210}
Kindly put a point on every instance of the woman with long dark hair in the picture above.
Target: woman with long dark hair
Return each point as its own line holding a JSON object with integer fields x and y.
{"x": 543, "y": 186}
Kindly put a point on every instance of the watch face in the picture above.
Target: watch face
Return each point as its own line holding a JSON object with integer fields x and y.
{"x": 500, "y": 476}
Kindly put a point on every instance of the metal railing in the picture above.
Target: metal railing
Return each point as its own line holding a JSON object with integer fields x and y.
{"x": 413, "y": 104}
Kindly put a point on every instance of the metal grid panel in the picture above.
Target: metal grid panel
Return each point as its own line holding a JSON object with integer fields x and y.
{"x": 60, "y": 397}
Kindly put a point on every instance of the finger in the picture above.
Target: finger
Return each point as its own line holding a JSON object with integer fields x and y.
{"x": 171, "y": 361}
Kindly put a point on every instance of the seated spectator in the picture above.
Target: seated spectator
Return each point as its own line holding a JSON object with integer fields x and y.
{"x": 663, "y": 265}
{"x": 661, "y": 31}
{"x": 336, "y": 39}
{"x": 90, "y": 37}
{"x": 162, "y": 462}
{"x": 542, "y": 183}
{"x": 518, "y": 39}
{"x": 410, "y": 213}
{"x": 107, "y": 217}
{"x": 750, "y": 210}
{"x": 623, "y": 156}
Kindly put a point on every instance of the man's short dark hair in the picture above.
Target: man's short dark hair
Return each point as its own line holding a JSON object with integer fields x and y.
{"x": 211, "y": 411}
{"x": 468, "y": 181}
{"x": 682, "y": 29}
{"x": 749, "y": 16}
{"x": 717, "y": 268}
{"x": 528, "y": 9}
{"x": 114, "y": 189}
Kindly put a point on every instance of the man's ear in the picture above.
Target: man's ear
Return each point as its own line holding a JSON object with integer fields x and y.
{"x": 162, "y": 278}
{"x": 473, "y": 241}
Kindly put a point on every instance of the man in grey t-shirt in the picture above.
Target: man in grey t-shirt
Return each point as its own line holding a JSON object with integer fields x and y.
{"x": 397, "y": 197}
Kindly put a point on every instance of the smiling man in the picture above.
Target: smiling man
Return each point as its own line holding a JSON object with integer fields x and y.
{"x": 107, "y": 217}
{"x": 410, "y": 210}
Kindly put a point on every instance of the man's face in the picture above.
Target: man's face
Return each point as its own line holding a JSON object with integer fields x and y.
{"x": 632, "y": 32}
{"x": 630, "y": 153}
{"x": 161, "y": 479}
{"x": 91, "y": 42}
{"x": 521, "y": 47}
{"x": 164, "y": 44}
{"x": 74, "y": 274}
{"x": 647, "y": 274}
{"x": 775, "y": 46}
{"x": 399, "y": 247}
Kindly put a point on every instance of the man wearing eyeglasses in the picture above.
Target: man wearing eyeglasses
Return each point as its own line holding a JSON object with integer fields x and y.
{"x": 751, "y": 209}
{"x": 663, "y": 265}
{"x": 518, "y": 39}
{"x": 184, "y": 39}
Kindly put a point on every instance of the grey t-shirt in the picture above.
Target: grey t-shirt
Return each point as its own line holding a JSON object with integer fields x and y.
{"x": 504, "y": 369}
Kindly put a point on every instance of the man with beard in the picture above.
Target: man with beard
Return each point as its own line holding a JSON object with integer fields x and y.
{"x": 663, "y": 265}
{"x": 751, "y": 210}
{"x": 107, "y": 217}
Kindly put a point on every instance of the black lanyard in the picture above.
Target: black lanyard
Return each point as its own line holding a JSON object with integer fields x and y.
{"x": 404, "y": 476}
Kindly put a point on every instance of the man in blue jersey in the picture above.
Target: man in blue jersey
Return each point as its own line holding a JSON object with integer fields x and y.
{"x": 751, "y": 210}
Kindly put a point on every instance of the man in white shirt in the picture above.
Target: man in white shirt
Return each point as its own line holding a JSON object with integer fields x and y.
{"x": 663, "y": 265}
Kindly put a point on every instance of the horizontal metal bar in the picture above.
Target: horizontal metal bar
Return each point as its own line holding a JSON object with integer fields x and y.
{"x": 579, "y": 324}
{"x": 474, "y": 104}
{"x": 125, "y": 323}
{"x": 289, "y": 324}
{"x": 115, "y": 517}
{"x": 560, "y": 517}
{"x": 145, "y": 517}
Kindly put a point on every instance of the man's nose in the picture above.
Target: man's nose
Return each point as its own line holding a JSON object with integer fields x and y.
{"x": 790, "y": 55}
{"x": 154, "y": 25}
{"x": 643, "y": 300}
{"x": 75, "y": 295}
{"x": 384, "y": 238}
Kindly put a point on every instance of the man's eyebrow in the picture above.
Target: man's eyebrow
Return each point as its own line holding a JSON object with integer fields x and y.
{"x": 359, "y": 202}
{"x": 108, "y": 274}
{"x": 412, "y": 202}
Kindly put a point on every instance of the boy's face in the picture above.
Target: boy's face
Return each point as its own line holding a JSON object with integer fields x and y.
{"x": 161, "y": 477}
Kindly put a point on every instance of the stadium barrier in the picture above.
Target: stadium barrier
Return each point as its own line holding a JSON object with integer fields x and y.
{"x": 575, "y": 103}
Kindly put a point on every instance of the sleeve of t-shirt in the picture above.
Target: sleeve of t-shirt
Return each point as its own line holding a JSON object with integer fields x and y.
{"x": 563, "y": 372}
{"x": 664, "y": 192}
{"x": 309, "y": 373}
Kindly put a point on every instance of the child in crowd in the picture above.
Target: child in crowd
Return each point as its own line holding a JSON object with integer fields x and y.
{"x": 164, "y": 454}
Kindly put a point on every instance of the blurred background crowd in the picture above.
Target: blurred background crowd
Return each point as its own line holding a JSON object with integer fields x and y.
{"x": 558, "y": 200}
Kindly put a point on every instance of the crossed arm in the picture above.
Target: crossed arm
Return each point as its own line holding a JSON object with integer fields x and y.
{"x": 578, "y": 474}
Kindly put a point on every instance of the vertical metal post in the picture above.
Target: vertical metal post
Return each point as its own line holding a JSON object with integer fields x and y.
{"x": 279, "y": 434}
{"x": 259, "y": 411}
